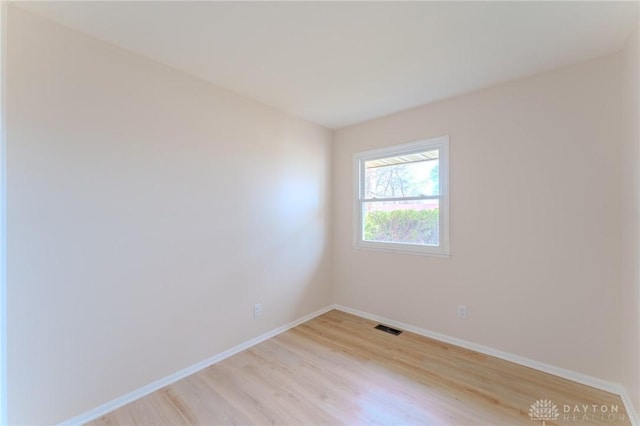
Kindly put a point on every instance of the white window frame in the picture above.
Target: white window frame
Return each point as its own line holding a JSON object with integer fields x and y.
{"x": 440, "y": 143}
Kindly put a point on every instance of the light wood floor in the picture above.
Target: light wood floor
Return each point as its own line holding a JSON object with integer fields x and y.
{"x": 337, "y": 369}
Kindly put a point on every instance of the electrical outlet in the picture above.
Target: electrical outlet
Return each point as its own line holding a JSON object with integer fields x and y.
{"x": 462, "y": 311}
{"x": 257, "y": 310}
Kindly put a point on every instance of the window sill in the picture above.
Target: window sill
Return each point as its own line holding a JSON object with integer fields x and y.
{"x": 402, "y": 249}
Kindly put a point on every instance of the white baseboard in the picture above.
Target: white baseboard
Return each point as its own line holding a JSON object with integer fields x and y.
{"x": 584, "y": 379}
{"x": 629, "y": 407}
{"x": 158, "y": 384}
{"x": 547, "y": 368}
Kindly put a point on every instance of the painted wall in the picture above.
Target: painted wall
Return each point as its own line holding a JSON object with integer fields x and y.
{"x": 535, "y": 220}
{"x": 630, "y": 351}
{"x": 148, "y": 211}
{"x": 3, "y": 217}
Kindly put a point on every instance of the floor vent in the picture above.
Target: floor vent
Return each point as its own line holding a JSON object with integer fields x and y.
{"x": 388, "y": 329}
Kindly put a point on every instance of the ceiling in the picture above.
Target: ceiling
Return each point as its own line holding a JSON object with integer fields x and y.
{"x": 339, "y": 63}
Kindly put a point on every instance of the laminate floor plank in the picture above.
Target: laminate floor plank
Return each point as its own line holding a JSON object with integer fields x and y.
{"x": 338, "y": 370}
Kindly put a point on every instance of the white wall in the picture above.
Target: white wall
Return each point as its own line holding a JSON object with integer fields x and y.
{"x": 148, "y": 211}
{"x": 535, "y": 220}
{"x": 3, "y": 217}
{"x": 630, "y": 350}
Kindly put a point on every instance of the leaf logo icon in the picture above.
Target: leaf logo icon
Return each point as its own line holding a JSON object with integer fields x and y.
{"x": 544, "y": 409}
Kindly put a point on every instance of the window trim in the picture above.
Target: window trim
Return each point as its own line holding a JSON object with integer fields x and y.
{"x": 442, "y": 144}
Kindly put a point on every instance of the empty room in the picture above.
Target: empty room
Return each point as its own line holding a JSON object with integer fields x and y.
{"x": 320, "y": 213}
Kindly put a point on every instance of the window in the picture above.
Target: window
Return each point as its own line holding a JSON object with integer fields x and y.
{"x": 402, "y": 198}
